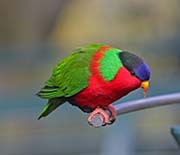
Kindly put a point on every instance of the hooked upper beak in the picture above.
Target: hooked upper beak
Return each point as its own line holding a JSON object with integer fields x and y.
{"x": 145, "y": 86}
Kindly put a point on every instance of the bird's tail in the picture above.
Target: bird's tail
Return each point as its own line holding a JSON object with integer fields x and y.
{"x": 51, "y": 106}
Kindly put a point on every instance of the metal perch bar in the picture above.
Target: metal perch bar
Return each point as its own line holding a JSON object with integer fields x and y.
{"x": 136, "y": 105}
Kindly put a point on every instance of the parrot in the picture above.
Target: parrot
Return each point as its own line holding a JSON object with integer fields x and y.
{"x": 92, "y": 78}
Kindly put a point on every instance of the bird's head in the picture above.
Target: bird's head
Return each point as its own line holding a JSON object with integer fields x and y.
{"x": 137, "y": 67}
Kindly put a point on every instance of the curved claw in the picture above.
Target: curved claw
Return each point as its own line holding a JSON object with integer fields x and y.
{"x": 111, "y": 121}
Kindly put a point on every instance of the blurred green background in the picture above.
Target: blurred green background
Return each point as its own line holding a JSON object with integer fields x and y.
{"x": 35, "y": 34}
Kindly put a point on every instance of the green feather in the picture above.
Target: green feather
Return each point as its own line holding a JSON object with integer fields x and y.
{"x": 110, "y": 64}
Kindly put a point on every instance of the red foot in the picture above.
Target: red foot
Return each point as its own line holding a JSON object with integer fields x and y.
{"x": 113, "y": 113}
{"x": 108, "y": 118}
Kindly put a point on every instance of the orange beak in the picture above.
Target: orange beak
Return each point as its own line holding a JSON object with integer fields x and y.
{"x": 145, "y": 86}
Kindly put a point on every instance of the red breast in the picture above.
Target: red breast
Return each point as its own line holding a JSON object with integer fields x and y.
{"x": 102, "y": 93}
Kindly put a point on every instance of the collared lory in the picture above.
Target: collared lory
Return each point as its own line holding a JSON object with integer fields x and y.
{"x": 92, "y": 78}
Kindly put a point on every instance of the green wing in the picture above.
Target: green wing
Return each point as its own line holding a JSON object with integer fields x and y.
{"x": 71, "y": 75}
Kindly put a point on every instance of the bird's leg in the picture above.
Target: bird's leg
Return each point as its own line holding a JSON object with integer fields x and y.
{"x": 113, "y": 113}
{"x": 100, "y": 111}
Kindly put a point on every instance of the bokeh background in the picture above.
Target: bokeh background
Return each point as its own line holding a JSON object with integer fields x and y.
{"x": 35, "y": 34}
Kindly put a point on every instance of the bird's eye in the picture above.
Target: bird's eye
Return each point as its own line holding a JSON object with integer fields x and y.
{"x": 133, "y": 73}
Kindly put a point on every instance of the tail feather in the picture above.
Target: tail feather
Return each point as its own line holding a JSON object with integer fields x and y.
{"x": 51, "y": 106}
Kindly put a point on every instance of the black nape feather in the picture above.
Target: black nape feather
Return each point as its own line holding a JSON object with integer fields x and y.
{"x": 130, "y": 61}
